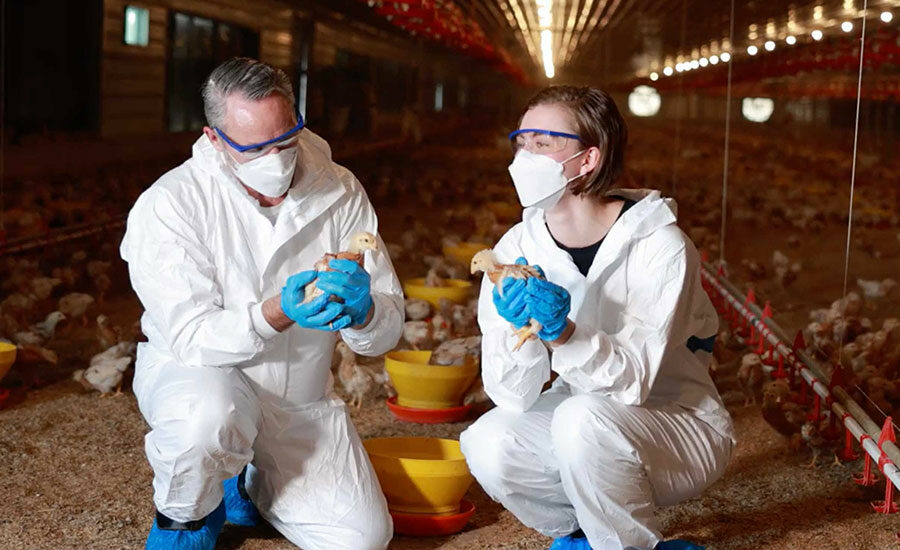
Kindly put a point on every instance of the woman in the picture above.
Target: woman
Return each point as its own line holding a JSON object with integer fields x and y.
{"x": 633, "y": 420}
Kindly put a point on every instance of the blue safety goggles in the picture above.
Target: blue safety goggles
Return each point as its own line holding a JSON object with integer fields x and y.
{"x": 540, "y": 141}
{"x": 255, "y": 150}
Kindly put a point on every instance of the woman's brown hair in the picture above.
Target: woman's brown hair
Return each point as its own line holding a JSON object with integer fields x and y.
{"x": 599, "y": 124}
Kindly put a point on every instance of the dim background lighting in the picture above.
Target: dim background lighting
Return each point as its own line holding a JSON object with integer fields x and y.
{"x": 817, "y": 34}
{"x": 654, "y": 76}
{"x": 679, "y": 67}
{"x": 752, "y": 50}
{"x": 713, "y": 59}
{"x": 791, "y": 40}
{"x": 704, "y": 62}
{"x": 770, "y": 45}
{"x": 695, "y": 64}
{"x": 644, "y": 101}
{"x": 887, "y": 16}
{"x": 757, "y": 109}
{"x": 725, "y": 57}
{"x": 668, "y": 71}
{"x": 846, "y": 26}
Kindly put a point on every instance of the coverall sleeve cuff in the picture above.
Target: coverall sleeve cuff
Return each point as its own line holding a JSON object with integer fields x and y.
{"x": 581, "y": 349}
{"x": 260, "y": 325}
{"x": 368, "y": 329}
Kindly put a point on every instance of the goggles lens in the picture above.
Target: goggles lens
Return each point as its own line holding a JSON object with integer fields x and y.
{"x": 256, "y": 150}
{"x": 541, "y": 142}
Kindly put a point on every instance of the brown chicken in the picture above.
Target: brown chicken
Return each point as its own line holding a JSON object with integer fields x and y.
{"x": 781, "y": 412}
{"x": 751, "y": 377}
{"x": 486, "y": 261}
{"x": 359, "y": 243}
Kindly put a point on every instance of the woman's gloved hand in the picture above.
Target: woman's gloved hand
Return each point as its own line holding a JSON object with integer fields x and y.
{"x": 511, "y": 305}
{"x": 549, "y": 305}
{"x": 320, "y": 313}
{"x": 351, "y": 283}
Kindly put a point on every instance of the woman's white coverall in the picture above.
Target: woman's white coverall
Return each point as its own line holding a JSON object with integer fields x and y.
{"x": 633, "y": 421}
{"x": 218, "y": 385}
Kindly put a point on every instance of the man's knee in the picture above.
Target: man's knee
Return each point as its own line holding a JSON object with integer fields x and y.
{"x": 583, "y": 425}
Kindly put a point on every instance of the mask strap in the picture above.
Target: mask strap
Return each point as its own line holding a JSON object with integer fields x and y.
{"x": 570, "y": 180}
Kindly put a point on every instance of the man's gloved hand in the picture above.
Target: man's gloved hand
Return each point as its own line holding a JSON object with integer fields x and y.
{"x": 511, "y": 305}
{"x": 548, "y": 304}
{"x": 320, "y": 313}
{"x": 351, "y": 283}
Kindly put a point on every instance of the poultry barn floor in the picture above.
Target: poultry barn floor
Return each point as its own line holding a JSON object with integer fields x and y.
{"x": 75, "y": 476}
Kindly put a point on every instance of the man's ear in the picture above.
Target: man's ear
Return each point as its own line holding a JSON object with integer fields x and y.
{"x": 214, "y": 138}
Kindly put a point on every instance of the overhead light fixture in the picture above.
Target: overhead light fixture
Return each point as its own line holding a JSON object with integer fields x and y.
{"x": 547, "y": 52}
{"x": 770, "y": 45}
{"x": 654, "y": 76}
{"x": 752, "y": 50}
{"x": 668, "y": 71}
{"x": 704, "y": 62}
{"x": 887, "y": 16}
{"x": 725, "y": 57}
{"x": 816, "y": 34}
{"x": 679, "y": 67}
{"x": 791, "y": 40}
{"x": 713, "y": 59}
{"x": 695, "y": 64}
{"x": 846, "y": 26}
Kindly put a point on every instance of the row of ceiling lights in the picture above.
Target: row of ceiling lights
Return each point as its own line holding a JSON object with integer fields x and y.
{"x": 769, "y": 45}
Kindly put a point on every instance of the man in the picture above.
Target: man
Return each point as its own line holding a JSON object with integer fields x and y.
{"x": 235, "y": 379}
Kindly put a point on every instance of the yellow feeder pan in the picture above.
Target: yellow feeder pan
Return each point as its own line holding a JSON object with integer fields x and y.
{"x": 7, "y": 358}
{"x": 456, "y": 291}
{"x": 505, "y": 211}
{"x": 463, "y": 252}
{"x": 423, "y": 386}
{"x": 420, "y": 475}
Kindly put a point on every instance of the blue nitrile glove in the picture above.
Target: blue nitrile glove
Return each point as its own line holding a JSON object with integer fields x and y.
{"x": 511, "y": 305}
{"x": 351, "y": 283}
{"x": 319, "y": 314}
{"x": 678, "y": 544}
{"x": 549, "y": 305}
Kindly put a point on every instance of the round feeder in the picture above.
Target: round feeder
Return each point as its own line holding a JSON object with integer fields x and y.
{"x": 427, "y": 525}
{"x": 423, "y": 386}
{"x": 428, "y": 416}
{"x": 7, "y": 358}
{"x": 463, "y": 252}
{"x": 457, "y": 291}
{"x": 420, "y": 475}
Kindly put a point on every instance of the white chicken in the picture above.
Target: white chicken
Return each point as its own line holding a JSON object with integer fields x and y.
{"x": 418, "y": 334}
{"x": 40, "y": 333}
{"x": 104, "y": 375}
{"x": 875, "y": 290}
{"x": 75, "y": 305}
{"x": 416, "y": 309}
{"x": 455, "y": 352}
{"x": 107, "y": 334}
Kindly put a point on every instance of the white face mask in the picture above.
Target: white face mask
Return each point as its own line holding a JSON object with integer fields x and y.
{"x": 539, "y": 179}
{"x": 270, "y": 174}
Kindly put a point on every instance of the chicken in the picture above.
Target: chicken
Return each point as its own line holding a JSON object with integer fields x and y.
{"x": 476, "y": 395}
{"x": 455, "y": 352}
{"x": 463, "y": 320}
{"x": 751, "y": 377}
{"x": 785, "y": 271}
{"x": 67, "y": 275}
{"x": 359, "y": 243}
{"x": 418, "y": 334}
{"x": 780, "y": 412}
{"x": 102, "y": 283}
{"x": 122, "y": 349}
{"x": 358, "y": 380}
{"x": 42, "y": 287}
{"x": 107, "y": 334}
{"x": 442, "y": 328}
{"x": 817, "y": 443}
{"x": 484, "y": 261}
{"x": 75, "y": 305}
{"x": 98, "y": 267}
{"x": 17, "y": 305}
{"x": 40, "y": 333}
{"x": 104, "y": 375}
{"x": 433, "y": 280}
{"x": 874, "y": 290}
{"x": 416, "y": 309}
{"x": 755, "y": 270}
{"x": 26, "y": 354}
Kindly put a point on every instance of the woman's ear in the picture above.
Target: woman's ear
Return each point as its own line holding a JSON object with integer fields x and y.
{"x": 591, "y": 160}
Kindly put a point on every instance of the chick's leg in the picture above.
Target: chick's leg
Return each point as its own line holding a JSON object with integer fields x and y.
{"x": 813, "y": 464}
{"x": 527, "y": 332}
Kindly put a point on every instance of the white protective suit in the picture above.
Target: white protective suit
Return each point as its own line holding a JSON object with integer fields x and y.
{"x": 633, "y": 421}
{"x": 218, "y": 385}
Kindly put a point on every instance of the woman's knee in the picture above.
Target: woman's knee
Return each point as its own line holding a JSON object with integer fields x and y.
{"x": 490, "y": 448}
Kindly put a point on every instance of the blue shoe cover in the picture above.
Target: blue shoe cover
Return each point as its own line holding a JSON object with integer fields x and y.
{"x": 238, "y": 509}
{"x": 575, "y": 541}
{"x": 678, "y": 544}
{"x": 201, "y": 539}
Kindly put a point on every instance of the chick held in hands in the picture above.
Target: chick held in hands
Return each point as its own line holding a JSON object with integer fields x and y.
{"x": 510, "y": 292}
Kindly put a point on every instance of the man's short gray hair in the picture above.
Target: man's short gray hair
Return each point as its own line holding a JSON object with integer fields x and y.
{"x": 250, "y": 78}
